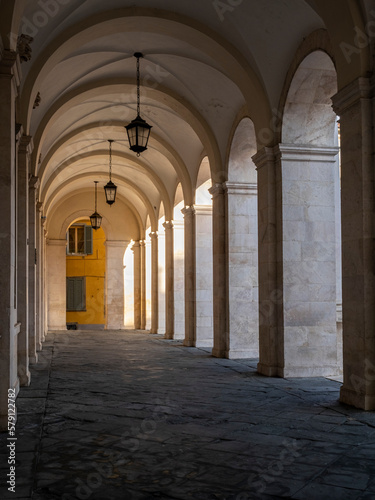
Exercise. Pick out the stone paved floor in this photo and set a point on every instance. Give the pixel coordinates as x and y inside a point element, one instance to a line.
<point>115,415</point>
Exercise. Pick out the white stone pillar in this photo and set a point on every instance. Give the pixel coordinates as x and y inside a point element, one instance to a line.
<point>243,323</point>
<point>115,251</point>
<point>169,280</point>
<point>24,151</point>
<point>204,276</point>
<point>271,349</point>
<point>220,288</point>
<point>355,106</point>
<point>154,283</point>
<point>40,272</point>
<point>56,275</point>
<point>161,281</point>
<point>9,81</point>
<point>136,248</point>
<point>33,277</point>
<point>142,244</point>
<point>190,290</point>
<point>179,287</point>
<point>308,246</point>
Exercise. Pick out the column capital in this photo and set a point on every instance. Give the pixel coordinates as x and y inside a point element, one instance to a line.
<point>26,144</point>
<point>241,188</point>
<point>39,206</point>
<point>10,66</point>
<point>188,211</point>
<point>117,243</point>
<point>264,156</point>
<point>153,235</point>
<point>168,225</point>
<point>142,243</point>
<point>306,153</point>
<point>34,184</point>
<point>360,88</point>
<point>203,209</point>
<point>136,244</point>
<point>217,190</point>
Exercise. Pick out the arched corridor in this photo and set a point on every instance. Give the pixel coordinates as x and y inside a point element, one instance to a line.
<point>222,153</point>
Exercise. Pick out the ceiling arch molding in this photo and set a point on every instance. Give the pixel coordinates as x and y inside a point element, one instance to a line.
<point>235,66</point>
<point>116,86</point>
<point>91,154</point>
<point>133,187</point>
<point>126,202</point>
<point>162,146</point>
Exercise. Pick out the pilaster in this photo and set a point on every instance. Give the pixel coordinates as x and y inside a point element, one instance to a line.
<point>136,248</point>
<point>33,276</point>
<point>142,245</point>
<point>220,276</point>
<point>190,276</point>
<point>24,151</point>
<point>154,283</point>
<point>169,280</point>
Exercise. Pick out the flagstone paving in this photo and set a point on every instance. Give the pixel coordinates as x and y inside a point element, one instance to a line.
<point>129,415</point>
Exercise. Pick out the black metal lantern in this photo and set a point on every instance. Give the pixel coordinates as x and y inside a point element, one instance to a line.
<point>110,188</point>
<point>138,130</point>
<point>95,218</point>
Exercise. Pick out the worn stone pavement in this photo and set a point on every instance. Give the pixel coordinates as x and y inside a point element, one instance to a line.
<point>129,415</point>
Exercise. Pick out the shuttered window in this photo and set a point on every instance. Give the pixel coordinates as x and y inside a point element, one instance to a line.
<point>79,240</point>
<point>76,294</point>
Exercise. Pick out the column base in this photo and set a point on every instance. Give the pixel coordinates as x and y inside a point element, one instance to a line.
<point>269,371</point>
<point>242,354</point>
<point>169,336</point>
<point>218,353</point>
<point>353,398</point>
<point>189,343</point>
<point>25,379</point>
<point>33,359</point>
<point>39,346</point>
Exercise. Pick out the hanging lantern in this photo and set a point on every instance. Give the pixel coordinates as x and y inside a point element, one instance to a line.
<point>138,130</point>
<point>110,188</point>
<point>95,218</point>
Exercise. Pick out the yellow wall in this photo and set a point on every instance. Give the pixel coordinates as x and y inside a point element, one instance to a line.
<point>93,268</point>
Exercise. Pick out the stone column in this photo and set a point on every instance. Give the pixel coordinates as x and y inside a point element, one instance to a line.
<point>308,245</point>
<point>161,281</point>
<point>190,290</point>
<point>355,104</point>
<point>41,264</point>
<point>243,323</point>
<point>9,82</point>
<point>24,151</point>
<point>115,251</point>
<point>271,352</point>
<point>154,283</point>
<point>169,280</point>
<point>136,248</point>
<point>142,244</point>
<point>56,276</point>
<point>204,276</point>
<point>179,292</point>
<point>220,289</point>
<point>33,277</point>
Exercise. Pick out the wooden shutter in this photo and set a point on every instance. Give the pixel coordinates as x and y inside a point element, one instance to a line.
<point>76,294</point>
<point>88,240</point>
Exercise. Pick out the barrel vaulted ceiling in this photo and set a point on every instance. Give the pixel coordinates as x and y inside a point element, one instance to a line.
<point>206,63</point>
